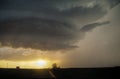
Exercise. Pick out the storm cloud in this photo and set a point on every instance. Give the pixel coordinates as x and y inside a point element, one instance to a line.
<point>49,25</point>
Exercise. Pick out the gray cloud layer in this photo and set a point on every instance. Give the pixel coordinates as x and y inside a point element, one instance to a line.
<point>49,25</point>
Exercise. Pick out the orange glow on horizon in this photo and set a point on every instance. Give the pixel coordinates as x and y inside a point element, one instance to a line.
<point>34,64</point>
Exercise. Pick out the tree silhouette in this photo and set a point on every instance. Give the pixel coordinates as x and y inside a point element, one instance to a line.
<point>54,65</point>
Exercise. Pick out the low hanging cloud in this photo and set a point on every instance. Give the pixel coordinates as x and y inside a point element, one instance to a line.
<point>36,33</point>
<point>41,34</point>
<point>19,54</point>
<point>47,25</point>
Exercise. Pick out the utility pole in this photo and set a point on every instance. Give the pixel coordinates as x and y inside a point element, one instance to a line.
<point>7,65</point>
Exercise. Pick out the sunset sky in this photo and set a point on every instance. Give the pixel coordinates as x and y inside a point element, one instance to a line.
<point>71,33</point>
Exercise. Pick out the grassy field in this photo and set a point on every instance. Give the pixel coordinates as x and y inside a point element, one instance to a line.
<point>63,73</point>
<point>88,73</point>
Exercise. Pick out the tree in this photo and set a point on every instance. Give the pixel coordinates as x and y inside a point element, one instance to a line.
<point>54,66</point>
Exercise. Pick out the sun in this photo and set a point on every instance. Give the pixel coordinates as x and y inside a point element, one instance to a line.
<point>41,63</point>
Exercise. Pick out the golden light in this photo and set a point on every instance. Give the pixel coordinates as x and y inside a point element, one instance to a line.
<point>41,63</point>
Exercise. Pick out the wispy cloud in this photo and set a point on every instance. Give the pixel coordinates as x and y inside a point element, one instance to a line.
<point>89,27</point>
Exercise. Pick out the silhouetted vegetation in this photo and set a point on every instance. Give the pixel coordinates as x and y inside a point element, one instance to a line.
<point>55,66</point>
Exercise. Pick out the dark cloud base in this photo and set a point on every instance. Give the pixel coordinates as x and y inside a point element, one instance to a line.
<point>46,25</point>
<point>37,33</point>
<point>41,34</point>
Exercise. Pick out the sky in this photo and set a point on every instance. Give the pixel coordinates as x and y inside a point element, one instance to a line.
<point>72,33</point>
